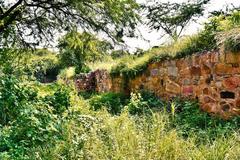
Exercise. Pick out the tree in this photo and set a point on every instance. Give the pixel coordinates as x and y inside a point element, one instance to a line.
<point>172,18</point>
<point>78,48</point>
<point>33,22</point>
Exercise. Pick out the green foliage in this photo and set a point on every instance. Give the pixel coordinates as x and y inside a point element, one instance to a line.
<point>204,41</point>
<point>228,35</point>
<point>190,120</point>
<point>102,136</point>
<point>78,48</point>
<point>174,17</point>
<point>114,18</point>
<point>130,66</point>
<point>144,103</point>
<point>119,53</point>
<point>38,132</point>
<point>43,65</point>
<point>232,45</point>
<point>13,98</point>
<point>13,61</point>
<point>26,121</point>
<point>60,100</point>
<point>229,41</point>
<point>35,126</point>
<point>137,105</point>
<point>113,102</point>
<point>87,95</point>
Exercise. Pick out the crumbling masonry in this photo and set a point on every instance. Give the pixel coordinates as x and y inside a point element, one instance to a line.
<point>211,77</point>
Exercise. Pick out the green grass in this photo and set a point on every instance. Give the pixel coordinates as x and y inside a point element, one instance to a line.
<point>102,136</point>
<point>44,89</point>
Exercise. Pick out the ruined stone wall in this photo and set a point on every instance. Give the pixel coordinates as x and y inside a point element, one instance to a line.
<point>211,77</point>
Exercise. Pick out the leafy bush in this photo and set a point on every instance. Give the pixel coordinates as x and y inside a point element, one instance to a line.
<point>13,98</point>
<point>137,105</point>
<point>35,126</point>
<point>190,120</point>
<point>87,95</point>
<point>229,40</point>
<point>232,44</point>
<point>152,100</point>
<point>46,69</point>
<point>78,48</point>
<point>114,102</point>
<point>119,53</point>
<point>60,100</point>
<point>203,41</point>
<point>26,122</point>
<point>43,65</point>
<point>144,102</point>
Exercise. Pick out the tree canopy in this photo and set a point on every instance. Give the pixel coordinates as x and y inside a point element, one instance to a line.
<point>25,23</point>
<point>78,48</point>
<point>172,18</point>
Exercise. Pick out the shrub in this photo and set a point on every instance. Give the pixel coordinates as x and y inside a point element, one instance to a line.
<point>114,102</point>
<point>203,41</point>
<point>78,48</point>
<point>152,100</point>
<point>190,120</point>
<point>137,105</point>
<point>43,65</point>
<point>232,44</point>
<point>144,102</point>
<point>60,100</point>
<point>35,126</point>
<point>46,70</point>
<point>119,53</point>
<point>13,98</point>
<point>229,40</point>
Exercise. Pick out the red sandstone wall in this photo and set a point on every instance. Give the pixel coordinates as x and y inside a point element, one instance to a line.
<point>212,77</point>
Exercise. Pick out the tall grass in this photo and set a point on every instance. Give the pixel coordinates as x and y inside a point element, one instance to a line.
<point>103,136</point>
<point>83,133</point>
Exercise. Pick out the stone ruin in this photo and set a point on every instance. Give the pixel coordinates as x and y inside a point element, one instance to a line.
<point>213,78</point>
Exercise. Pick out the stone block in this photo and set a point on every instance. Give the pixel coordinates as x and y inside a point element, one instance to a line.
<point>187,90</point>
<point>214,57</point>
<point>162,71</point>
<point>154,72</point>
<point>195,70</point>
<point>225,69</point>
<point>173,87</point>
<point>205,58</point>
<point>231,83</point>
<point>195,80</point>
<point>196,60</point>
<point>205,69</point>
<point>186,81</point>
<point>172,71</point>
<point>232,58</point>
<point>211,108</point>
<point>218,84</point>
<point>208,99</point>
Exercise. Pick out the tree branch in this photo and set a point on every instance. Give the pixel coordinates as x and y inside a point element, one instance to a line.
<point>8,12</point>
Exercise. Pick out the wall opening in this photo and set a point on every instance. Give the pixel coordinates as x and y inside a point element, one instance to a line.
<point>225,107</point>
<point>227,94</point>
<point>162,82</point>
<point>209,79</point>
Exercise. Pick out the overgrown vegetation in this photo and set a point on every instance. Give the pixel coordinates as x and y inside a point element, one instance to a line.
<point>43,117</point>
<point>221,31</point>
<point>43,65</point>
<point>145,128</point>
